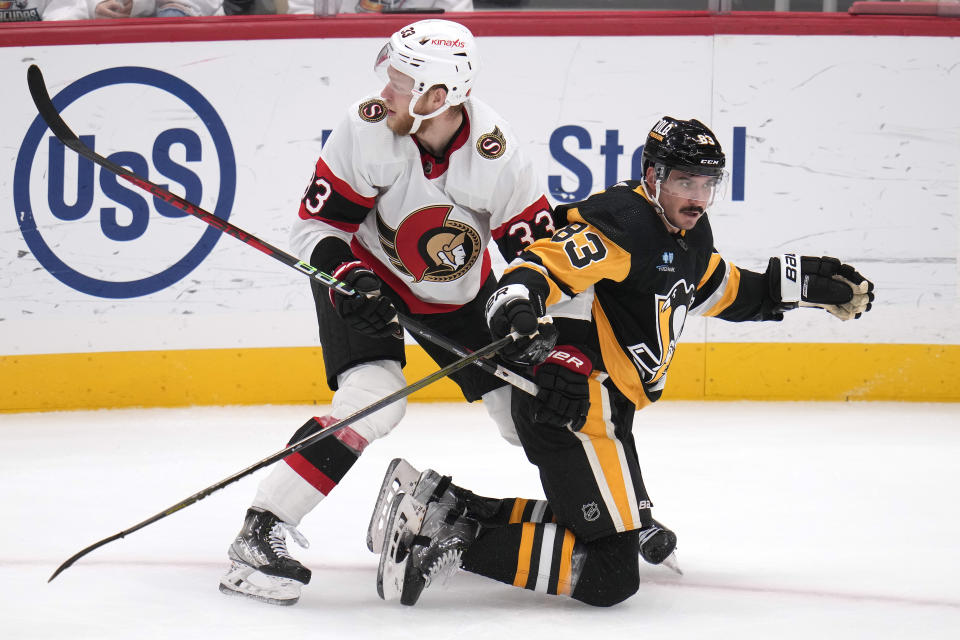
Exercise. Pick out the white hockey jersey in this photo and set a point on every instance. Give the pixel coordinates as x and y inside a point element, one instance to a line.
<point>420,222</point>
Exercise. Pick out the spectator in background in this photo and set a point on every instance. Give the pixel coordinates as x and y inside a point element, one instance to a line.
<point>34,10</point>
<point>114,9</point>
<point>233,7</point>
<point>183,8</point>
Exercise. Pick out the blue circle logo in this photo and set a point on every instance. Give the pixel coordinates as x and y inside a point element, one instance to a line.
<point>131,222</point>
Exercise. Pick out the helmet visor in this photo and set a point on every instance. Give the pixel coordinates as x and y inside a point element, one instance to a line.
<point>399,82</point>
<point>692,186</point>
<point>383,58</point>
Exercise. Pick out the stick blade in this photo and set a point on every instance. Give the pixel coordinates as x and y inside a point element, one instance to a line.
<point>96,545</point>
<point>41,98</point>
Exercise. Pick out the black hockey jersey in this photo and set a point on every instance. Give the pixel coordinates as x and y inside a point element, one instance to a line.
<point>619,283</point>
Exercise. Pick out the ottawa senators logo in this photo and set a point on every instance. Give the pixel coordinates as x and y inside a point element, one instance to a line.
<point>427,245</point>
<point>373,110</point>
<point>671,312</point>
<point>492,145</point>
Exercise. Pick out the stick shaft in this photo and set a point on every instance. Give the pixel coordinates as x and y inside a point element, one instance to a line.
<point>465,361</point>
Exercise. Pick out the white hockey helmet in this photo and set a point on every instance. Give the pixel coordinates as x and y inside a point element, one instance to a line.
<point>433,52</point>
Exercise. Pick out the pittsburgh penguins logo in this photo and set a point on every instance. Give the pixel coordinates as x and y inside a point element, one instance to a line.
<point>373,110</point>
<point>492,145</point>
<point>427,245</point>
<point>652,361</point>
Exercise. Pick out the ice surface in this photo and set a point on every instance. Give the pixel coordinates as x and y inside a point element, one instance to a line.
<point>795,520</point>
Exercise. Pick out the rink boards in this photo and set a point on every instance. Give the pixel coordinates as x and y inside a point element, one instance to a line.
<point>842,136</point>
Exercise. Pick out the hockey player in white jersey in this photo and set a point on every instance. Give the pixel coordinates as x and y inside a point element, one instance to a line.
<point>408,192</point>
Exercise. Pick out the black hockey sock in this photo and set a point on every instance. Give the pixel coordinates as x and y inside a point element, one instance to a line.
<point>548,557</point>
<point>492,512</point>
<point>529,555</point>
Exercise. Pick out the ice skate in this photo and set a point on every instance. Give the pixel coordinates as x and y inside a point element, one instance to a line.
<point>657,545</point>
<point>424,544</point>
<point>402,477</point>
<point>260,565</point>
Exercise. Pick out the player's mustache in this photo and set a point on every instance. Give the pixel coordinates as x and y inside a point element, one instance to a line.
<point>697,210</point>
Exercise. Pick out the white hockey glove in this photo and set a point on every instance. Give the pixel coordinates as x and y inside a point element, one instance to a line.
<point>820,282</point>
<point>514,308</point>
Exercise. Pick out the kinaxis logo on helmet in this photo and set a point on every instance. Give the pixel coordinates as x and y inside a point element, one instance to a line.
<point>449,43</point>
<point>427,245</point>
<point>121,235</point>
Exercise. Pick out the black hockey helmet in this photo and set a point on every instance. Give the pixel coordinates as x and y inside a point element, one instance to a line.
<point>687,145</point>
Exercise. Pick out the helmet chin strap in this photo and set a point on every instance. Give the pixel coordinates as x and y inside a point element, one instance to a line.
<point>655,198</point>
<point>418,118</point>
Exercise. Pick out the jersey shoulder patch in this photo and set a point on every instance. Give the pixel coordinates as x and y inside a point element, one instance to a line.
<point>372,110</point>
<point>492,145</point>
<point>492,136</point>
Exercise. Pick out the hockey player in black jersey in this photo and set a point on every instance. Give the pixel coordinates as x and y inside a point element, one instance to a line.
<point>619,281</point>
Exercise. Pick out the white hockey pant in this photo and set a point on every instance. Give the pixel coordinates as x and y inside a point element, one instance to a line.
<point>288,495</point>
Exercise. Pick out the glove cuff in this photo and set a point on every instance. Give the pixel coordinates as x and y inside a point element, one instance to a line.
<point>340,273</point>
<point>502,296</point>
<point>330,253</point>
<point>789,278</point>
<point>569,357</point>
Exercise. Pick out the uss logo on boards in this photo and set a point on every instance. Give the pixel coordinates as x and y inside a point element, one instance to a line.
<point>86,226</point>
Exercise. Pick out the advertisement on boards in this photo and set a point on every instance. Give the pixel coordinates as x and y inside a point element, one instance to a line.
<point>835,146</point>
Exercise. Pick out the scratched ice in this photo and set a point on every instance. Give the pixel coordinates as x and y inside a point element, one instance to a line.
<point>795,520</point>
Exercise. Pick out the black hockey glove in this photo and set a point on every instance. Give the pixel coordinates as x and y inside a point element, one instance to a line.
<point>564,396</point>
<point>514,308</point>
<point>819,282</point>
<point>367,311</point>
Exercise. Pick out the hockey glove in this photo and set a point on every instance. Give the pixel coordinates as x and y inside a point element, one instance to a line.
<point>513,308</point>
<point>366,311</point>
<point>564,396</point>
<point>820,282</point>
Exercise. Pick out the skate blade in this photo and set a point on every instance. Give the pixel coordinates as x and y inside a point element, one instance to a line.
<point>244,580</point>
<point>400,477</point>
<point>670,562</point>
<point>403,522</point>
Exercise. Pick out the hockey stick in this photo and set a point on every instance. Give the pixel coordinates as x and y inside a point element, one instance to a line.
<point>53,119</point>
<point>467,360</point>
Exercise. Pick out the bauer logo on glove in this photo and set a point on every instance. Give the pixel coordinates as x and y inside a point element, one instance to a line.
<point>564,396</point>
<point>820,282</point>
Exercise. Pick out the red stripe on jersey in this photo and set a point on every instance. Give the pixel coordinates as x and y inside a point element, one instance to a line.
<point>325,184</point>
<point>343,188</point>
<point>317,479</point>
<point>434,167</point>
<point>415,304</point>
<point>527,215</point>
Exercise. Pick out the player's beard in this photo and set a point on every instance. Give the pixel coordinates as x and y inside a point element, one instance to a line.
<point>400,123</point>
